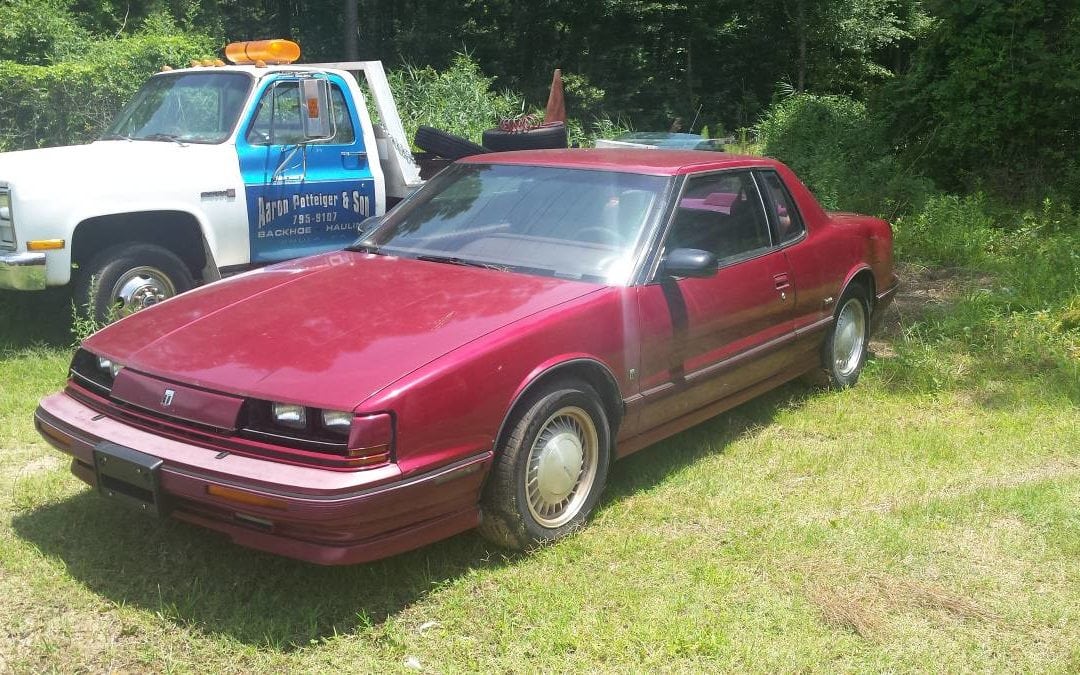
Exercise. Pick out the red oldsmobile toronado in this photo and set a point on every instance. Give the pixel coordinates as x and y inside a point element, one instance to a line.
<point>478,357</point>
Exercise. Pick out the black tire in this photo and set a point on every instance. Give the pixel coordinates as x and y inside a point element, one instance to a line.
<point>541,138</point>
<point>509,519</point>
<point>844,351</point>
<point>443,144</point>
<point>99,283</point>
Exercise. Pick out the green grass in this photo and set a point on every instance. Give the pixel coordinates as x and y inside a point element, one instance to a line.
<point>925,520</point>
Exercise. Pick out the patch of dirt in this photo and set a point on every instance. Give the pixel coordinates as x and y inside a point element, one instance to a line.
<point>923,289</point>
<point>864,604</point>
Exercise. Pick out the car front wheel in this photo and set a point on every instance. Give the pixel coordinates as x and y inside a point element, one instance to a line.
<point>844,352</point>
<point>551,468</point>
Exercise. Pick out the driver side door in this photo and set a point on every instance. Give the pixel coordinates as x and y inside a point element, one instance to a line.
<point>303,197</point>
<point>706,339</point>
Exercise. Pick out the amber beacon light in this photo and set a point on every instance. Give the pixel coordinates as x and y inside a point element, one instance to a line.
<point>267,51</point>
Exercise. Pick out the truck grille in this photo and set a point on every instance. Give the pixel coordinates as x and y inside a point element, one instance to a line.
<point>7,229</point>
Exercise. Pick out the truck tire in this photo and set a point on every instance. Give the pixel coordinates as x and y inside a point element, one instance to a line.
<point>540,138</point>
<point>123,279</point>
<point>444,144</point>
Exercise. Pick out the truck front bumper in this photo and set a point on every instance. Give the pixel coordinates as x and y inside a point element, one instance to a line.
<point>22,271</point>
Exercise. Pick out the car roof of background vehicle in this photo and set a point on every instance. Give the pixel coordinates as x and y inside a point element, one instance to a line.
<point>629,160</point>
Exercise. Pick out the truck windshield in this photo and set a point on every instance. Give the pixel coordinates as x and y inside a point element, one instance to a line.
<point>570,223</point>
<point>187,107</point>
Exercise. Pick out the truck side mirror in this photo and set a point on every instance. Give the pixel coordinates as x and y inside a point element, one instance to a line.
<point>315,99</point>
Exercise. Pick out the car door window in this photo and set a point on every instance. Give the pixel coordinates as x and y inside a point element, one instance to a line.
<point>721,213</point>
<point>789,225</point>
<point>278,121</point>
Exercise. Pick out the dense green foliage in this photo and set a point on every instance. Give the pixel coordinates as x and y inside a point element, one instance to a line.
<point>458,99</point>
<point>71,100</point>
<point>864,97</point>
<point>841,153</point>
<point>992,95</point>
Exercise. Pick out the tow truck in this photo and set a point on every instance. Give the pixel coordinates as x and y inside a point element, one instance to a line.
<point>210,170</point>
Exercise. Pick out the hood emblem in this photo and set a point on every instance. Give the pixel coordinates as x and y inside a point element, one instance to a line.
<point>166,400</point>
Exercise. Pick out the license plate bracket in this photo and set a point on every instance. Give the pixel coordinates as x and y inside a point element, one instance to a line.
<point>129,477</point>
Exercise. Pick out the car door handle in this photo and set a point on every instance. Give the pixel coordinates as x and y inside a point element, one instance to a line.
<point>783,282</point>
<point>358,154</point>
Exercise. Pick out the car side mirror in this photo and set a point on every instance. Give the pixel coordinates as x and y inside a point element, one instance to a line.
<point>688,262</point>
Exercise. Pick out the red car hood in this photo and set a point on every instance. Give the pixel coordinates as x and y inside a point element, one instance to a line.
<point>327,331</point>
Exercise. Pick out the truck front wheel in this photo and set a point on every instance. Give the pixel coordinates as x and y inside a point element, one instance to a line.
<point>123,279</point>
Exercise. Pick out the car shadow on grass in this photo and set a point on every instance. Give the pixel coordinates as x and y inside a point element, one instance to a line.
<point>656,463</point>
<point>35,318</point>
<point>196,578</point>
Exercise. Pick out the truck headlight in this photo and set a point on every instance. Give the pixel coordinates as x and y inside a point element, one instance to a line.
<point>7,228</point>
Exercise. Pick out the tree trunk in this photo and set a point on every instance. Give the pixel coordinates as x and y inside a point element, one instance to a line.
<point>801,22</point>
<point>352,30</point>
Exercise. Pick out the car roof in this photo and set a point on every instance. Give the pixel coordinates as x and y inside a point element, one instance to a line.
<point>630,160</point>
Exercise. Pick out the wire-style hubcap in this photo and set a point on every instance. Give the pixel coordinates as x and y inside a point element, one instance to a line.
<point>850,338</point>
<point>139,288</point>
<point>561,467</point>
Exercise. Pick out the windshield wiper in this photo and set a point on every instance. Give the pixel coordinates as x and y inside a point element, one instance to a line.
<point>115,137</point>
<point>164,137</point>
<point>451,260</point>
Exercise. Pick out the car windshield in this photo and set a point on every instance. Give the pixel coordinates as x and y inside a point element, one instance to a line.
<point>185,107</point>
<point>571,223</point>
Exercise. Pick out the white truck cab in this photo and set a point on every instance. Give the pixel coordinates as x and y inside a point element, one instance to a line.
<point>208,171</point>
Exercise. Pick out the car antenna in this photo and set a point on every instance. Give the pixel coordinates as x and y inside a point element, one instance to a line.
<point>695,118</point>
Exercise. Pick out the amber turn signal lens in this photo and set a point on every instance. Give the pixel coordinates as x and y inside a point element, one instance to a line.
<point>268,51</point>
<point>244,497</point>
<point>45,245</point>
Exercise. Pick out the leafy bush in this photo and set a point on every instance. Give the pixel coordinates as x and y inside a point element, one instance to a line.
<point>840,152</point>
<point>70,101</point>
<point>949,230</point>
<point>39,32</point>
<point>458,100</point>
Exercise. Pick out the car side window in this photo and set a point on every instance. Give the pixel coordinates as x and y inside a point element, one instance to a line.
<point>720,213</point>
<point>789,224</point>
<point>278,113</point>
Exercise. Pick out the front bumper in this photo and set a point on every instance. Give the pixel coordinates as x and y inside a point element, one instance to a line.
<point>22,271</point>
<point>321,516</point>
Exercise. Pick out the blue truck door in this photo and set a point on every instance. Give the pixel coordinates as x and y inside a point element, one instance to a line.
<point>303,198</point>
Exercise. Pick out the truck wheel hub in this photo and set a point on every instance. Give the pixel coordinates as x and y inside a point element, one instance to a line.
<point>140,288</point>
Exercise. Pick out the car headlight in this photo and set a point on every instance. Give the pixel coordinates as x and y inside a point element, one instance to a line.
<point>94,372</point>
<point>337,421</point>
<point>360,441</point>
<point>290,415</point>
<point>109,367</point>
<point>5,206</point>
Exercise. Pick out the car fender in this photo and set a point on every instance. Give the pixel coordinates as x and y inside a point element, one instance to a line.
<point>552,367</point>
<point>855,271</point>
